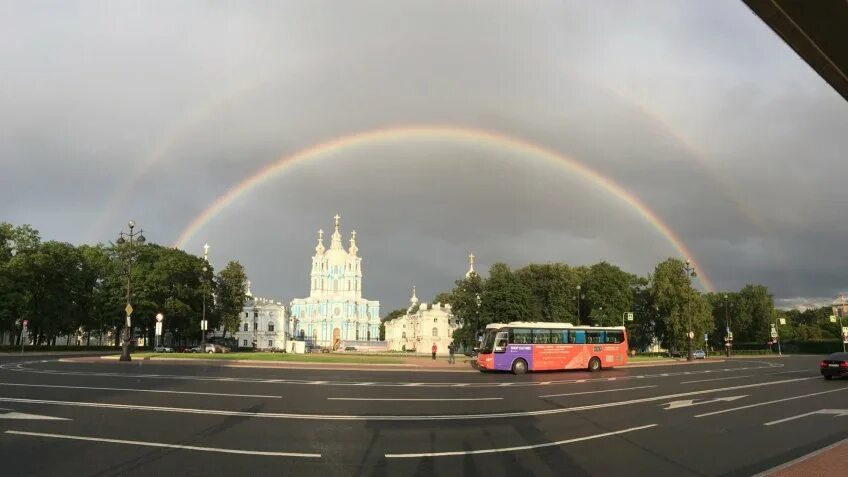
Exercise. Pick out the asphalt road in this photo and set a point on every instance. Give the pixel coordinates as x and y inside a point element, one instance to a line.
<point>738,417</point>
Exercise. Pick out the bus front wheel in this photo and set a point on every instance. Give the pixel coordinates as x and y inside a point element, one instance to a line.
<point>519,366</point>
<point>594,365</point>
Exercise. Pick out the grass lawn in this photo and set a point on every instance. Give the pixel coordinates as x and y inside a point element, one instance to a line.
<point>302,358</point>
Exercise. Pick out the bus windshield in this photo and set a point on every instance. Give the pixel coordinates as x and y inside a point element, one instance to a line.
<point>488,341</point>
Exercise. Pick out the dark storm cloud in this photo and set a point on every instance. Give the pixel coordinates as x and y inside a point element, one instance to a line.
<point>694,107</point>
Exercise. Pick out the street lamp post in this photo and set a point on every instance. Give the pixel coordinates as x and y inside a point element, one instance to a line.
<point>690,272</point>
<point>158,329</point>
<point>578,305</point>
<point>203,324</point>
<point>727,326</point>
<point>131,239</point>
<point>479,301</point>
<point>776,335</point>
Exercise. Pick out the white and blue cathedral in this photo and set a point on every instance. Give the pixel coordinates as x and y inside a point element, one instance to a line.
<point>335,311</point>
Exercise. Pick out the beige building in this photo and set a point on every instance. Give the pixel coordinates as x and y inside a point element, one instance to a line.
<point>423,325</point>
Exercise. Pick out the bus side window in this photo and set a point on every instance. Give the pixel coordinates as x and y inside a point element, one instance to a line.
<point>578,336</point>
<point>541,336</point>
<point>615,337</point>
<point>521,336</point>
<point>594,337</point>
<point>556,337</point>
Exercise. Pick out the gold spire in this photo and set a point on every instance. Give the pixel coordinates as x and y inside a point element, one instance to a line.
<point>319,249</point>
<point>353,247</point>
<point>470,266</point>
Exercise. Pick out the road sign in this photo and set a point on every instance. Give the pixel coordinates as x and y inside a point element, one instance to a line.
<point>629,316</point>
<point>691,334</point>
<point>833,318</point>
<point>160,317</point>
<point>773,334</point>
<point>158,328</point>
<point>783,321</point>
<point>730,336</point>
<point>706,337</point>
<point>129,309</point>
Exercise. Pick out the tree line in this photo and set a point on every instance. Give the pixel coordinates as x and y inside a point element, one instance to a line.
<point>662,303</point>
<point>81,291</point>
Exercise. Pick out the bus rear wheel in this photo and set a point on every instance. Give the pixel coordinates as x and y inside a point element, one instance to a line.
<point>519,366</point>
<point>594,365</point>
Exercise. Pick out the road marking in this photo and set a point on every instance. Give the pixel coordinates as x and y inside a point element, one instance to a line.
<point>595,392</point>
<point>34,417</point>
<point>517,448</point>
<point>166,446</point>
<point>19,367</point>
<point>717,379</point>
<point>365,384</point>
<point>692,402</point>
<point>772,402</point>
<point>833,412</point>
<point>414,399</point>
<point>345,417</point>
<point>794,371</point>
<point>139,390</point>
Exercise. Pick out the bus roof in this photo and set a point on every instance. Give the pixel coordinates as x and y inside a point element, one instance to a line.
<point>548,325</point>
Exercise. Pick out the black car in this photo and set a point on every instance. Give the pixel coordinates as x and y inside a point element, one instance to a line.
<point>834,365</point>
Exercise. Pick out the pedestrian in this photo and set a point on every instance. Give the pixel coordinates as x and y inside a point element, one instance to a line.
<point>451,350</point>
<point>434,351</point>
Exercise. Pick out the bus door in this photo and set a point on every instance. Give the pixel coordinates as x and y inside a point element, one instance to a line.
<point>499,350</point>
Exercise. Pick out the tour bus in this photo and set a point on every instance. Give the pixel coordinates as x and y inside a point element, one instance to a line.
<point>535,346</point>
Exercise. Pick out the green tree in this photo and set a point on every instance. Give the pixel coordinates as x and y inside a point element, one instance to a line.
<point>754,314</point>
<point>505,298</point>
<point>464,308</point>
<point>608,292</point>
<point>553,288</point>
<point>230,295</point>
<point>676,302</point>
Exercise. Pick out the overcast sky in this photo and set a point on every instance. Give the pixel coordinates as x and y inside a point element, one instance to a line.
<point>151,110</point>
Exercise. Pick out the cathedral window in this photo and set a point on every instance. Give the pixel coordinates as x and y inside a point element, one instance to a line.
<point>435,331</point>
<point>271,326</point>
<point>245,326</point>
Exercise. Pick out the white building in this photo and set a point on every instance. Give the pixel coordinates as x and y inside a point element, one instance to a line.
<point>335,312</point>
<point>421,327</point>
<point>264,324</point>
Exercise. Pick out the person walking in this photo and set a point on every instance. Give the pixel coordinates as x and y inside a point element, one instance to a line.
<point>451,350</point>
<point>435,348</point>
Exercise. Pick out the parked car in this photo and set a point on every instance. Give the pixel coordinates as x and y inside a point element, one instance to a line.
<point>699,354</point>
<point>835,365</point>
<point>163,349</point>
<point>350,348</point>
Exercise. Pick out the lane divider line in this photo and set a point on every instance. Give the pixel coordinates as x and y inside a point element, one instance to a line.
<point>716,379</point>
<point>772,402</point>
<point>163,445</point>
<point>442,417</point>
<point>596,392</point>
<point>517,448</point>
<point>136,390</point>
<point>414,399</point>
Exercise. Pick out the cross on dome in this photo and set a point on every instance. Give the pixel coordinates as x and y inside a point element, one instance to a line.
<point>470,266</point>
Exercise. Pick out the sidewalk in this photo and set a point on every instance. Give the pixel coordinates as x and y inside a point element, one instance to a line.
<point>829,461</point>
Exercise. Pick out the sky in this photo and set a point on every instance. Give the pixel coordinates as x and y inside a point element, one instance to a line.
<point>151,111</point>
